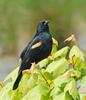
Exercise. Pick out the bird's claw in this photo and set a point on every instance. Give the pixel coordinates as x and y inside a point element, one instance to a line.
<point>27,71</point>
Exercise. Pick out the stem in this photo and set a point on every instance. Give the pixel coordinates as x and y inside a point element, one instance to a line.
<point>1,84</point>
<point>44,78</point>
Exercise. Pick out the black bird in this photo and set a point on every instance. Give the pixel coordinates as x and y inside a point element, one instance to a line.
<point>39,48</point>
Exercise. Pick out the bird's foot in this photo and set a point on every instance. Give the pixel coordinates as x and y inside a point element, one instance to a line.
<point>29,71</point>
<point>33,67</point>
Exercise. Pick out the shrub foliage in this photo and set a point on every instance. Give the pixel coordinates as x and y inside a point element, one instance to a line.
<point>60,76</point>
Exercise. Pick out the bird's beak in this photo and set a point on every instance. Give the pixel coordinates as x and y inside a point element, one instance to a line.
<point>46,22</point>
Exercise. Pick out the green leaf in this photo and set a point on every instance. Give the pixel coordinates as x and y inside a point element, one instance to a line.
<point>75,51</point>
<point>12,76</point>
<point>53,79</point>
<point>48,77</point>
<point>80,63</point>
<point>83,81</point>
<point>73,73</point>
<point>54,49</point>
<point>44,89</point>
<point>57,67</point>
<point>60,97</point>
<point>63,96</point>
<point>43,63</point>
<point>71,87</point>
<point>68,96</point>
<point>26,84</point>
<point>77,62</point>
<point>59,84</point>
<point>60,80</point>
<point>83,72</point>
<point>33,94</point>
<point>61,53</point>
<point>37,93</point>
<point>5,92</point>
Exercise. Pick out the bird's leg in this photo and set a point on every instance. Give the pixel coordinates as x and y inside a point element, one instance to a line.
<point>29,71</point>
<point>33,67</point>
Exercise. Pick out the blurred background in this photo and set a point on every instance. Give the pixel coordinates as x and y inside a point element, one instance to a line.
<point>18,20</point>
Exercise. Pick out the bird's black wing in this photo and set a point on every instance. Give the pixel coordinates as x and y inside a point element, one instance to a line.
<point>30,52</point>
<point>23,52</point>
<point>25,49</point>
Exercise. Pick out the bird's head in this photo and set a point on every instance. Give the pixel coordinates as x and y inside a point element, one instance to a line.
<point>43,27</point>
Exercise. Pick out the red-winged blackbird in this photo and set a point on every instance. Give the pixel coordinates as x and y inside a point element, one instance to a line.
<point>38,49</point>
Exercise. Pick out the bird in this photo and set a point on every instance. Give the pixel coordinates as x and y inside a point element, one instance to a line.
<point>37,49</point>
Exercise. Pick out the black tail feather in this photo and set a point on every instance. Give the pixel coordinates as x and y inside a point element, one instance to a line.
<point>17,80</point>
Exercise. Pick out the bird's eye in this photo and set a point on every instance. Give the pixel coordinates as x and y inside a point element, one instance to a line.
<point>43,22</point>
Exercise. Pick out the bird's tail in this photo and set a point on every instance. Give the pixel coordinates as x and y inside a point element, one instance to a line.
<point>17,80</point>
